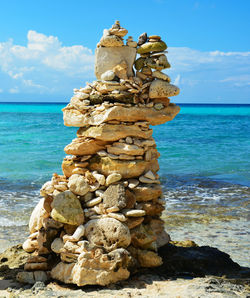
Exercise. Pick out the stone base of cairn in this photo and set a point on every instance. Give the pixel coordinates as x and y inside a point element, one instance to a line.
<point>100,220</point>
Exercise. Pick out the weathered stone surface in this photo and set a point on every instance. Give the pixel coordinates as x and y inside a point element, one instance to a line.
<point>161,76</point>
<point>148,258</point>
<point>130,199</point>
<point>151,208</point>
<point>160,88</point>
<point>152,47</point>
<point>147,192</point>
<point>112,178</point>
<point>70,167</point>
<point>123,148</point>
<point>82,146</point>
<point>101,270</point>
<point>128,169</point>
<point>37,216</point>
<point>133,222</point>
<point>108,58</point>
<point>120,70</point>
<point>114,196</point>
<point>78,185</point>
<point>142,236</point>
<point>108,232</point>
<point>111,41</point>
<point>67,209</point>
<point>72,117</point>
<point>113,132</point>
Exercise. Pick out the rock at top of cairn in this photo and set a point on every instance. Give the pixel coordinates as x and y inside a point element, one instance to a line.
<point>111,52</point>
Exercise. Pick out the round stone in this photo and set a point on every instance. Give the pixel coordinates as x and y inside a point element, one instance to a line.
<point>108,75</point>
<point>108,232</point>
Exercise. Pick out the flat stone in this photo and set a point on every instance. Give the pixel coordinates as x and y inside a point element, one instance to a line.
<point>143,179</point>
<point>152,47</point>
<point>161,76</point>
<point>150,175</point>
<point>132,183</point>
<point>57,245</point>
<point>108,58</point>
<point>133,222</point>
<point>148,192</point>
<point>69,167</point>
<point>108,232</point>
<point>112,132</point>
<point>78,184</point>
<point>111,41</point>
<point>151,208</point>
<point>112,178</point>
<point>134,213</point>
<point>128,169</point>
<point>122,114</point>
<point>82,146</point>
<point>160,88</point>
<point>66,208</point>
<point>115,196</point>
<point>123,148</point>
<point>36,266</point>
<point>118,216</point>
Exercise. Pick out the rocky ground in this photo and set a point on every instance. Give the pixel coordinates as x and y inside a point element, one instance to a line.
<point>187,271</point>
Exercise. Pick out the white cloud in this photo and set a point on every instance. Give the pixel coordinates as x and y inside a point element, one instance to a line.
<point>14,90</point>
<point>210,75</point>
<point>44,65</point>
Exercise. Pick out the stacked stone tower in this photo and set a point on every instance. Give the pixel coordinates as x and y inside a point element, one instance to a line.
<point>100,220</point>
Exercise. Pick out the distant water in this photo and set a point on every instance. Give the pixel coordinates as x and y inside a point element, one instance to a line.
<point>204,169</point>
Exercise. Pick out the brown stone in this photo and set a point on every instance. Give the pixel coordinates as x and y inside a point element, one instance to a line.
<point>112,132</point>
<point>120,113</point>
<point>133,222</point>
<point>142,236</point>
<point>152,209</point>
<point>145,192</point>
<point>128,169</point>
<point>148,259</point>
<point>36,266</point>
<point>130,199</point>
<point>82,146</point>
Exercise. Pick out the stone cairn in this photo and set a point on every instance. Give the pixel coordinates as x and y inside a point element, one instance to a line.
<point>100,220</point>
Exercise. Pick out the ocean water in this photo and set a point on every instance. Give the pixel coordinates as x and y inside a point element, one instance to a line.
<point>204,169</point>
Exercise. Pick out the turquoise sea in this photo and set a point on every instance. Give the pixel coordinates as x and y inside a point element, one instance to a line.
<point>204,169</point>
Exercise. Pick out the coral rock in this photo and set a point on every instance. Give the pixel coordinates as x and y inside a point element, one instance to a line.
<point>67,209</point>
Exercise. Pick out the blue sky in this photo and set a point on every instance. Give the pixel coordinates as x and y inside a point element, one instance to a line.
<point>47,46</point>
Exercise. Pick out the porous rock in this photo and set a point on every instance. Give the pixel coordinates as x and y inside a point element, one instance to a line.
<point>147,192</point>
<point>108,232</point>
<point>84,146</point>
<point>72,117</point>
<point>112,132</point>
<point>160,88</point>
<point>102,270</point>
<point>128,169</point>
<point>114,196</point>
<point>78,184</point>
<point>67,209</point>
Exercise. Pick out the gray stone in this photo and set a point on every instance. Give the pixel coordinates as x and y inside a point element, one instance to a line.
<point>108,58</point>
<point>114,196</point>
